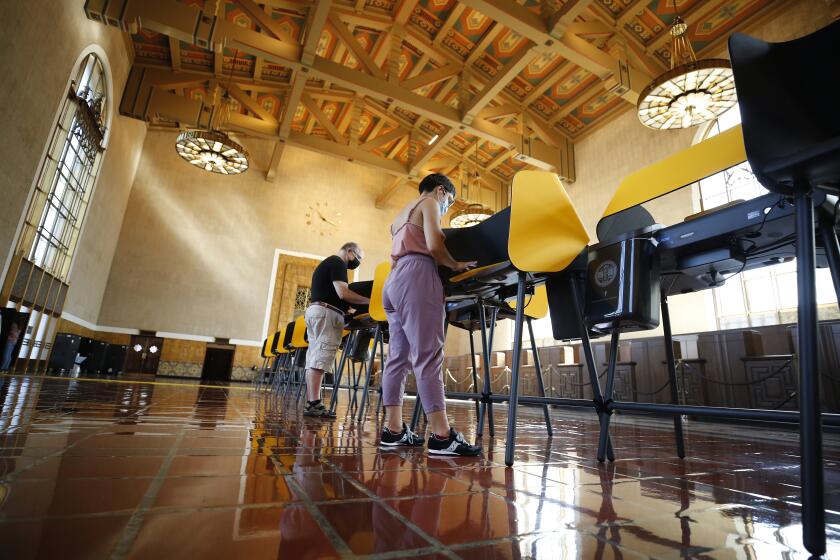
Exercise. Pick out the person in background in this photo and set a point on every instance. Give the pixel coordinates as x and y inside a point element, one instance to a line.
<point>414,304</point>
<point>10,343</point>
<point>331,298</point>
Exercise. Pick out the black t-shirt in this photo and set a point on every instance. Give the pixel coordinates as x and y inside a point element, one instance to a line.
<point>330,270</point>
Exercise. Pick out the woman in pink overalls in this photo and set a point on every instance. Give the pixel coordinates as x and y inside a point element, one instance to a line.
<point>414,303</point>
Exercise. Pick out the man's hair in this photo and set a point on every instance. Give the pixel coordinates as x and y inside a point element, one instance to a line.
<point>350,246</point>
<point>434,180</point>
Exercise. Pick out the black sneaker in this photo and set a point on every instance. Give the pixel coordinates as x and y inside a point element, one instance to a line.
<point>406,438</point>
<point>454,445</point>
<point>317,411</point>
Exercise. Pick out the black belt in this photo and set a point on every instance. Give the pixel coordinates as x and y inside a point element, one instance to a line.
<point>328,306</point>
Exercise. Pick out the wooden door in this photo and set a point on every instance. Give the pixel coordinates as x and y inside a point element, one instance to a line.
<point>143,354</point>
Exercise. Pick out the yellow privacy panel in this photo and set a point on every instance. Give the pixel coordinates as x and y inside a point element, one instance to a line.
<point>536,306</point>
<point>265,349</point>
<point>676,171</point>
<point>298,334</point>
<point>377,312</point>
<point>546,233</point>
<point>278,348</point>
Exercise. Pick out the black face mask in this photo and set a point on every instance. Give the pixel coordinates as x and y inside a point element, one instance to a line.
<point>353,264</point>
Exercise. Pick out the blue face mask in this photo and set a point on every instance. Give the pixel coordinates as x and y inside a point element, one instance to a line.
<point>445,204</point>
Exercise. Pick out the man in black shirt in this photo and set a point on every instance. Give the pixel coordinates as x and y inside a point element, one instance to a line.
<point>331,298</point>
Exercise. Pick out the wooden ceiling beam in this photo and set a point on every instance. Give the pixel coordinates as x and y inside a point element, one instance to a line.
<point>404,11</point>
<point>502,78</point>
<point>274,164</point>
<point>314,26</point>
<point>631,11</point>
<point>291,103</point>
<point>355,47</point>
<point>179,20</point>
<point>249,103</point>
<point>380,140</point>
<point>565,16</point>
<point>346,152</point>
<point>570,46</point>
<point>431,77</point>
<point>553,77</point>
<point>175,53</point>
<point>506,110</point>
<point>579,100</point>
<point>265,20</point>
<point>322,119</point>
<point>388,191</point>
<point>488,37</point>
<point>450,22</point>
<point>430,150</point>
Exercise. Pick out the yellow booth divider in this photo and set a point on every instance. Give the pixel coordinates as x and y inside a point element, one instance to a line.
<point>546,232</point>
<point>266,353</point>
<point>299,334</point>
<point>278,347</point>
<point>536,306</point>
<point>376,309</point>
<point>702,160</point>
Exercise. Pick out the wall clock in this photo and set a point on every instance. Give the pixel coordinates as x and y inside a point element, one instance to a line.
<point>322,220</point>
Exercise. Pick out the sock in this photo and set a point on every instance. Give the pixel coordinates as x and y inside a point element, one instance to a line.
<point>392,432</point>
<point>314,403</point>
<point>441,438</point>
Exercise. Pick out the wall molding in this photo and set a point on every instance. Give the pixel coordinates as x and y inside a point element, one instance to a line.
<point>163,334</point>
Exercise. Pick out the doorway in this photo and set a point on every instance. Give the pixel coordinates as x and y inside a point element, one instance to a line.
<point>143,355</point>
<point>218,362</point>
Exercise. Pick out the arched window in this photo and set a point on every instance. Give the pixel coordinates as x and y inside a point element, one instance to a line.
<point>36,285</point>
<point>763,296</point>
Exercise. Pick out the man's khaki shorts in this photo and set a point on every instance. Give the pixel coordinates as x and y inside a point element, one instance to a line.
<point>324,327</point>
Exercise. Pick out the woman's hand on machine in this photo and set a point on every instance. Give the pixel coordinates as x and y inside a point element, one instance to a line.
<point>461,266</point>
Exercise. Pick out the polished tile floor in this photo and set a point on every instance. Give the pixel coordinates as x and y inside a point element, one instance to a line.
<point>94,468</point>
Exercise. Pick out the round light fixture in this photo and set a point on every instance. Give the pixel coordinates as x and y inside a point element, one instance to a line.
<point>471,215</point>
<point>212,151</point>
<point>691,92</point>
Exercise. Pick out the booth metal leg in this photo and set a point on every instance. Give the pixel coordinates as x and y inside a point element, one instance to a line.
<point>608,391</point>
<point>514,377</point>
<point>289,372</point>
<point>301,382</point>
<point>672,374</point>
<point>810,424</point>
<point>474,374</point>
<point>486,408</point>
<point>339,372</point>
<point>594,382</point>
<point>538,368</point>
<point>832,252</point>
<point>368,374</point>
<point>356,373</point>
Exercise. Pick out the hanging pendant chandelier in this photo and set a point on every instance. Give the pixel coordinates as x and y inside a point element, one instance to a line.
<point>213,150</point>
<point>473,213</point>
<point>692,92</point>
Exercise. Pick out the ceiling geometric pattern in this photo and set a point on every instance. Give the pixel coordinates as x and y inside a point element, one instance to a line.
<point>476,76</point>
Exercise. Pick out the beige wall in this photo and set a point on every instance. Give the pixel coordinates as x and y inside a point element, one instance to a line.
<point>196,250</point>
<point>40,41</point>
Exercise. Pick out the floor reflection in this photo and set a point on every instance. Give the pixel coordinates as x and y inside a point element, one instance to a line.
<point>152,468</point>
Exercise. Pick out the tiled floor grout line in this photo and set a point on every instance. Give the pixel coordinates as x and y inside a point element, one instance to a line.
<point>365,490</point>
<point>132,528</point>
<point>335,539</point>
<point>14,475</point>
